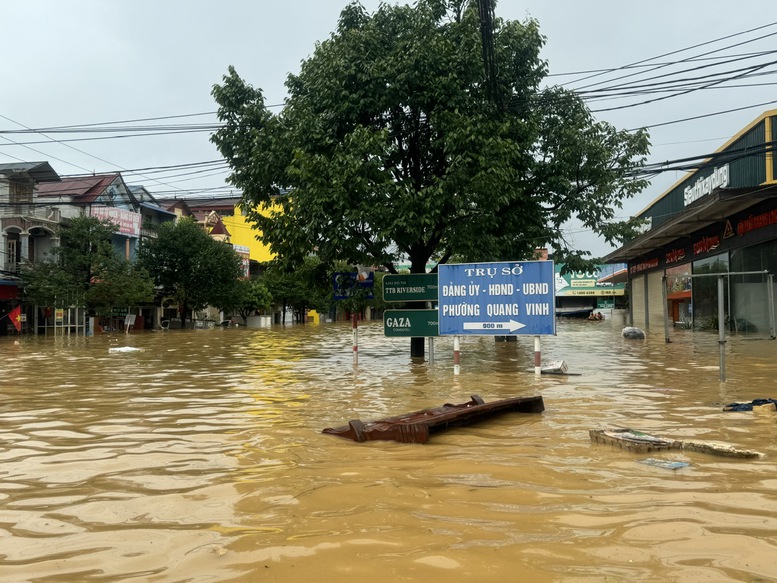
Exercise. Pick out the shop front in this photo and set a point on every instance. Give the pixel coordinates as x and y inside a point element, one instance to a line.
<point>718,222</point>
<point>583,294</point>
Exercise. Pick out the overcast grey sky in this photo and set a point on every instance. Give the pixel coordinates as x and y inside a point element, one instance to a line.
<point>93,61</point>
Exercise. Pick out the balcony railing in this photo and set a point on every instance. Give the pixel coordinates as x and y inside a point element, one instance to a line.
<point>46,213</point>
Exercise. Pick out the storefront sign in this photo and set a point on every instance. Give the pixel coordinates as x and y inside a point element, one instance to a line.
<point>128,223</point>
<point>346,284</point>
<point>754,222</point>
<point>675,255</point>
<point>245,258</point>
<point>706,244</point>
<point>704,186</point>
<point>643,266</point>
<point>599,291</point>
<point>578,283</point>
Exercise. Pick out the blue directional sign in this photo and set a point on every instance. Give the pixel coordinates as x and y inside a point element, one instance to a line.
<point>498,299</point>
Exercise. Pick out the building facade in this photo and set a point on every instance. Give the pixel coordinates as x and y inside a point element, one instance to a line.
<point>718,222</point>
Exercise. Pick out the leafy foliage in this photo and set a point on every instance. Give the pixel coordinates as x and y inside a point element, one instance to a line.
<point>395,140</point>
<point>187,264</point>
<point>120,284</point>
<point>306,287</point>
<point>86,270</point>
<point>251,296</point>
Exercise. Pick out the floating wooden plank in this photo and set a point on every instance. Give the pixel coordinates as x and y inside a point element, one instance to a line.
<point>639,442</point>
<point>416,427</point>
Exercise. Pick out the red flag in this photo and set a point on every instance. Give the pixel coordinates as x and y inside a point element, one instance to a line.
<point>16,318</point>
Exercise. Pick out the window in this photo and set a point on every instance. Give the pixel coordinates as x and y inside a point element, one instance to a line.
<point>19,192</point>
<point>705,291</point>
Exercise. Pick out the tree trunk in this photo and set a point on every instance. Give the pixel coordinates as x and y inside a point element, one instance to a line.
<point>184,309</point>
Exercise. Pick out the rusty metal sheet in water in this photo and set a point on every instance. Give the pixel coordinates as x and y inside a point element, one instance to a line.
<point>417,426</point>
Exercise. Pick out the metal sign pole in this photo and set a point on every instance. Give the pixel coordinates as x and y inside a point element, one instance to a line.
<point>354,325</point>
<point>537,356</point>
<point>666,309</point>
<point>721,328</point>
<point>456,355</point>
<point>770,295</point>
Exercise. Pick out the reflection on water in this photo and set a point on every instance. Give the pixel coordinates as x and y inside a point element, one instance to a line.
<point>199,457</point>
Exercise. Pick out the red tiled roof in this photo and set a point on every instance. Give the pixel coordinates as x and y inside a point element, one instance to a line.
<point>219,229</point>
<point>81,189</point>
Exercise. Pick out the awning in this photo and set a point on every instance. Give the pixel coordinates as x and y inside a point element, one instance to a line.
<point>721,204</point>
<point>681,295</point>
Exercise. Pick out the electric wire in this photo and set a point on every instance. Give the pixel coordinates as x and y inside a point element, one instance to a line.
<point>592,92</point>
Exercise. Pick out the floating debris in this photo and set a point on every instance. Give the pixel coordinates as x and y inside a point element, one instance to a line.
<point>639,442</point>
<point>632,333</point>
<point>665,464</point>
<point>555,367</point>
<point>769,403</point>
<point>416,427</point>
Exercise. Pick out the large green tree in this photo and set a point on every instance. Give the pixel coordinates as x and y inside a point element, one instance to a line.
<point>302,287</point>
<point>190,266</point>
<point>251,296</point>
<point>397,140</point>
<point>86,270</point>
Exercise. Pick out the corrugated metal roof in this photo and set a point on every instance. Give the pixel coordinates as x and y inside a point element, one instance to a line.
<point>157,208</point>
<point>38,171</point>
<point>214,203</point>
<point>713,208</point>
<point>82,188</point>
<point>171,203</point>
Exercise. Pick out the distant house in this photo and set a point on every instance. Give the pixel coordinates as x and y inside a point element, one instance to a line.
<point>28,228</point>
<point>242,234</point>
<point>178,206</point>
<point>104,196</point>
<point>152,213</point>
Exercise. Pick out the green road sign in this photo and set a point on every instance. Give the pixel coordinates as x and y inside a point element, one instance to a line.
<point>410,323</point>
<point>411,287</point>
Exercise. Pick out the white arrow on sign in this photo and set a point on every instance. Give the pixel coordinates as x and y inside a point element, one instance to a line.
<point>510,326</point>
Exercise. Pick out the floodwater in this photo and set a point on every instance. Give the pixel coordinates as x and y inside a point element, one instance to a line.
<point>199,457</point>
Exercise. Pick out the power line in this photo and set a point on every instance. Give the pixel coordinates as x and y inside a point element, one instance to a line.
<point>151,169</point>
<point>676,52</point>
<point>706,115</point>
<point>713,82</point>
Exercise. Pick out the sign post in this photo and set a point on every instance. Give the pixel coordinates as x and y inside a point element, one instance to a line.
<point>413,323</point>
<point>355,326</point>
<point>411,287</point>
<point>497,299</point>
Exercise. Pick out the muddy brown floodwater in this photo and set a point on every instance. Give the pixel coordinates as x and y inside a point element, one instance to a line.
<point>198,457</point>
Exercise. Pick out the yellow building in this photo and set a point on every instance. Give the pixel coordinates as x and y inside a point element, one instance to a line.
<point>244,235</point>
